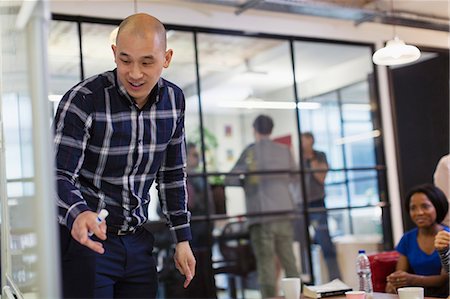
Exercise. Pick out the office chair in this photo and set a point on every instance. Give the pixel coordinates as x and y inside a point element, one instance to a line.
<point>238,258</point>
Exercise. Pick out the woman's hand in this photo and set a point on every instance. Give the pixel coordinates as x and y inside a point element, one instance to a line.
<point>400,279</point>
<point>390,288</point>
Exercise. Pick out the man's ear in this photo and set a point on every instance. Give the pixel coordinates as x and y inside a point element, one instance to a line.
<point>113,47</point>
<point>167,58</point>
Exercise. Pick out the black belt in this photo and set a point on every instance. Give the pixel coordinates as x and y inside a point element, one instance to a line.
<point>120,232</point>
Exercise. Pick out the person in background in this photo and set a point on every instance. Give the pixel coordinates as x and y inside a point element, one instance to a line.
<point>316,162</point>
<point>198,204</point>
<point>442,180</point>
<point>419,263</point>
<point>115,134</point>
<point>271,235</point>
<point>442,243</point>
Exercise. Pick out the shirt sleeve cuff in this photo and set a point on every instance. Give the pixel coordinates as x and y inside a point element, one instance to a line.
<point>74,212</point>
<point>182,234</point>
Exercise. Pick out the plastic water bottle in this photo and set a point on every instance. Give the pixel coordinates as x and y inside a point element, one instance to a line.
<point>364,273</point>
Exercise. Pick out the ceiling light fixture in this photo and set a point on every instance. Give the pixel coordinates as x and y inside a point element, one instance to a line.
<point>357,107</point>
<point>258,104</point>
<point>396,51</point>
<point>358,137</point>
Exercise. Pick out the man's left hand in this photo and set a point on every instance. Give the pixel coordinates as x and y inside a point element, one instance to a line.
<point>185,261</point>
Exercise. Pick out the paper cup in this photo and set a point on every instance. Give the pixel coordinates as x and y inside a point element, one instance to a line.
<point>291,287</point>
<point>410,293</point>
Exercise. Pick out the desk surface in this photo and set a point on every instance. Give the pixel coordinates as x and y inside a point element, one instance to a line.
<point>375,296</point>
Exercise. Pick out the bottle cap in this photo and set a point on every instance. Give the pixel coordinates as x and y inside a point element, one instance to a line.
<point>361,251</point>
<point>103,214</point>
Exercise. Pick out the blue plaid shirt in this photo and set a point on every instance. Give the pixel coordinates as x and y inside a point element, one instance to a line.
<point>109,152</point>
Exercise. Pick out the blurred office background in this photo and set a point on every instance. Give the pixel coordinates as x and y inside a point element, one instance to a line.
<point>307,65</point>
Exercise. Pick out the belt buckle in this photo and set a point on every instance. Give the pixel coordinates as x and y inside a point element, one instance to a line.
<point>126,232</point>
<point>122,232</point>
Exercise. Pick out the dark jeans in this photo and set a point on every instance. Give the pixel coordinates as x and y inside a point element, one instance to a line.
<point>126,270</point>
<point>319,221</point>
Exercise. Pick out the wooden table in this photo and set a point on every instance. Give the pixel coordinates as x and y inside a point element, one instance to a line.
<point>375,296</point>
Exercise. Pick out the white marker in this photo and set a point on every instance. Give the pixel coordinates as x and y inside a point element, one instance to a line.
<point>100,217</point>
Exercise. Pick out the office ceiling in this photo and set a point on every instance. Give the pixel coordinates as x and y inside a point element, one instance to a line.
<point>223,57</point>
<point>426,14</point>
<point>261,65</point>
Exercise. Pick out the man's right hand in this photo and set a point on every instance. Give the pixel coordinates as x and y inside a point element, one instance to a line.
<point>87,222</point>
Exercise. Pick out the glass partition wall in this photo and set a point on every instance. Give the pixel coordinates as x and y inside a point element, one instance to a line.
<point>325,88</point>
<point>28,213</point>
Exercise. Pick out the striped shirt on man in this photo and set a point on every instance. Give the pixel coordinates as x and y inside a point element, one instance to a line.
<point>109,152</point>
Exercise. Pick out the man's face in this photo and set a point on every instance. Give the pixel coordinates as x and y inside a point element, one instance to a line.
<point>193,158</point>
<point>307,143</point>
<point>140,61</point>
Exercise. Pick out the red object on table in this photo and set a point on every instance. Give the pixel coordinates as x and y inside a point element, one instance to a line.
<point>382,264</point>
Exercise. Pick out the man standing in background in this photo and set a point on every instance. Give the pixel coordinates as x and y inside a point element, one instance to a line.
<point>271,235</point>
<point>315,162</point>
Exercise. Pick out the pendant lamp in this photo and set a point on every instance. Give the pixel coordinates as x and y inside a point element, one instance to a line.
<point>395,52</point>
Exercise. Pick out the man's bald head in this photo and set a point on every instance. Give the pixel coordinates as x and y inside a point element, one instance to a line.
<point>142,24</point>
